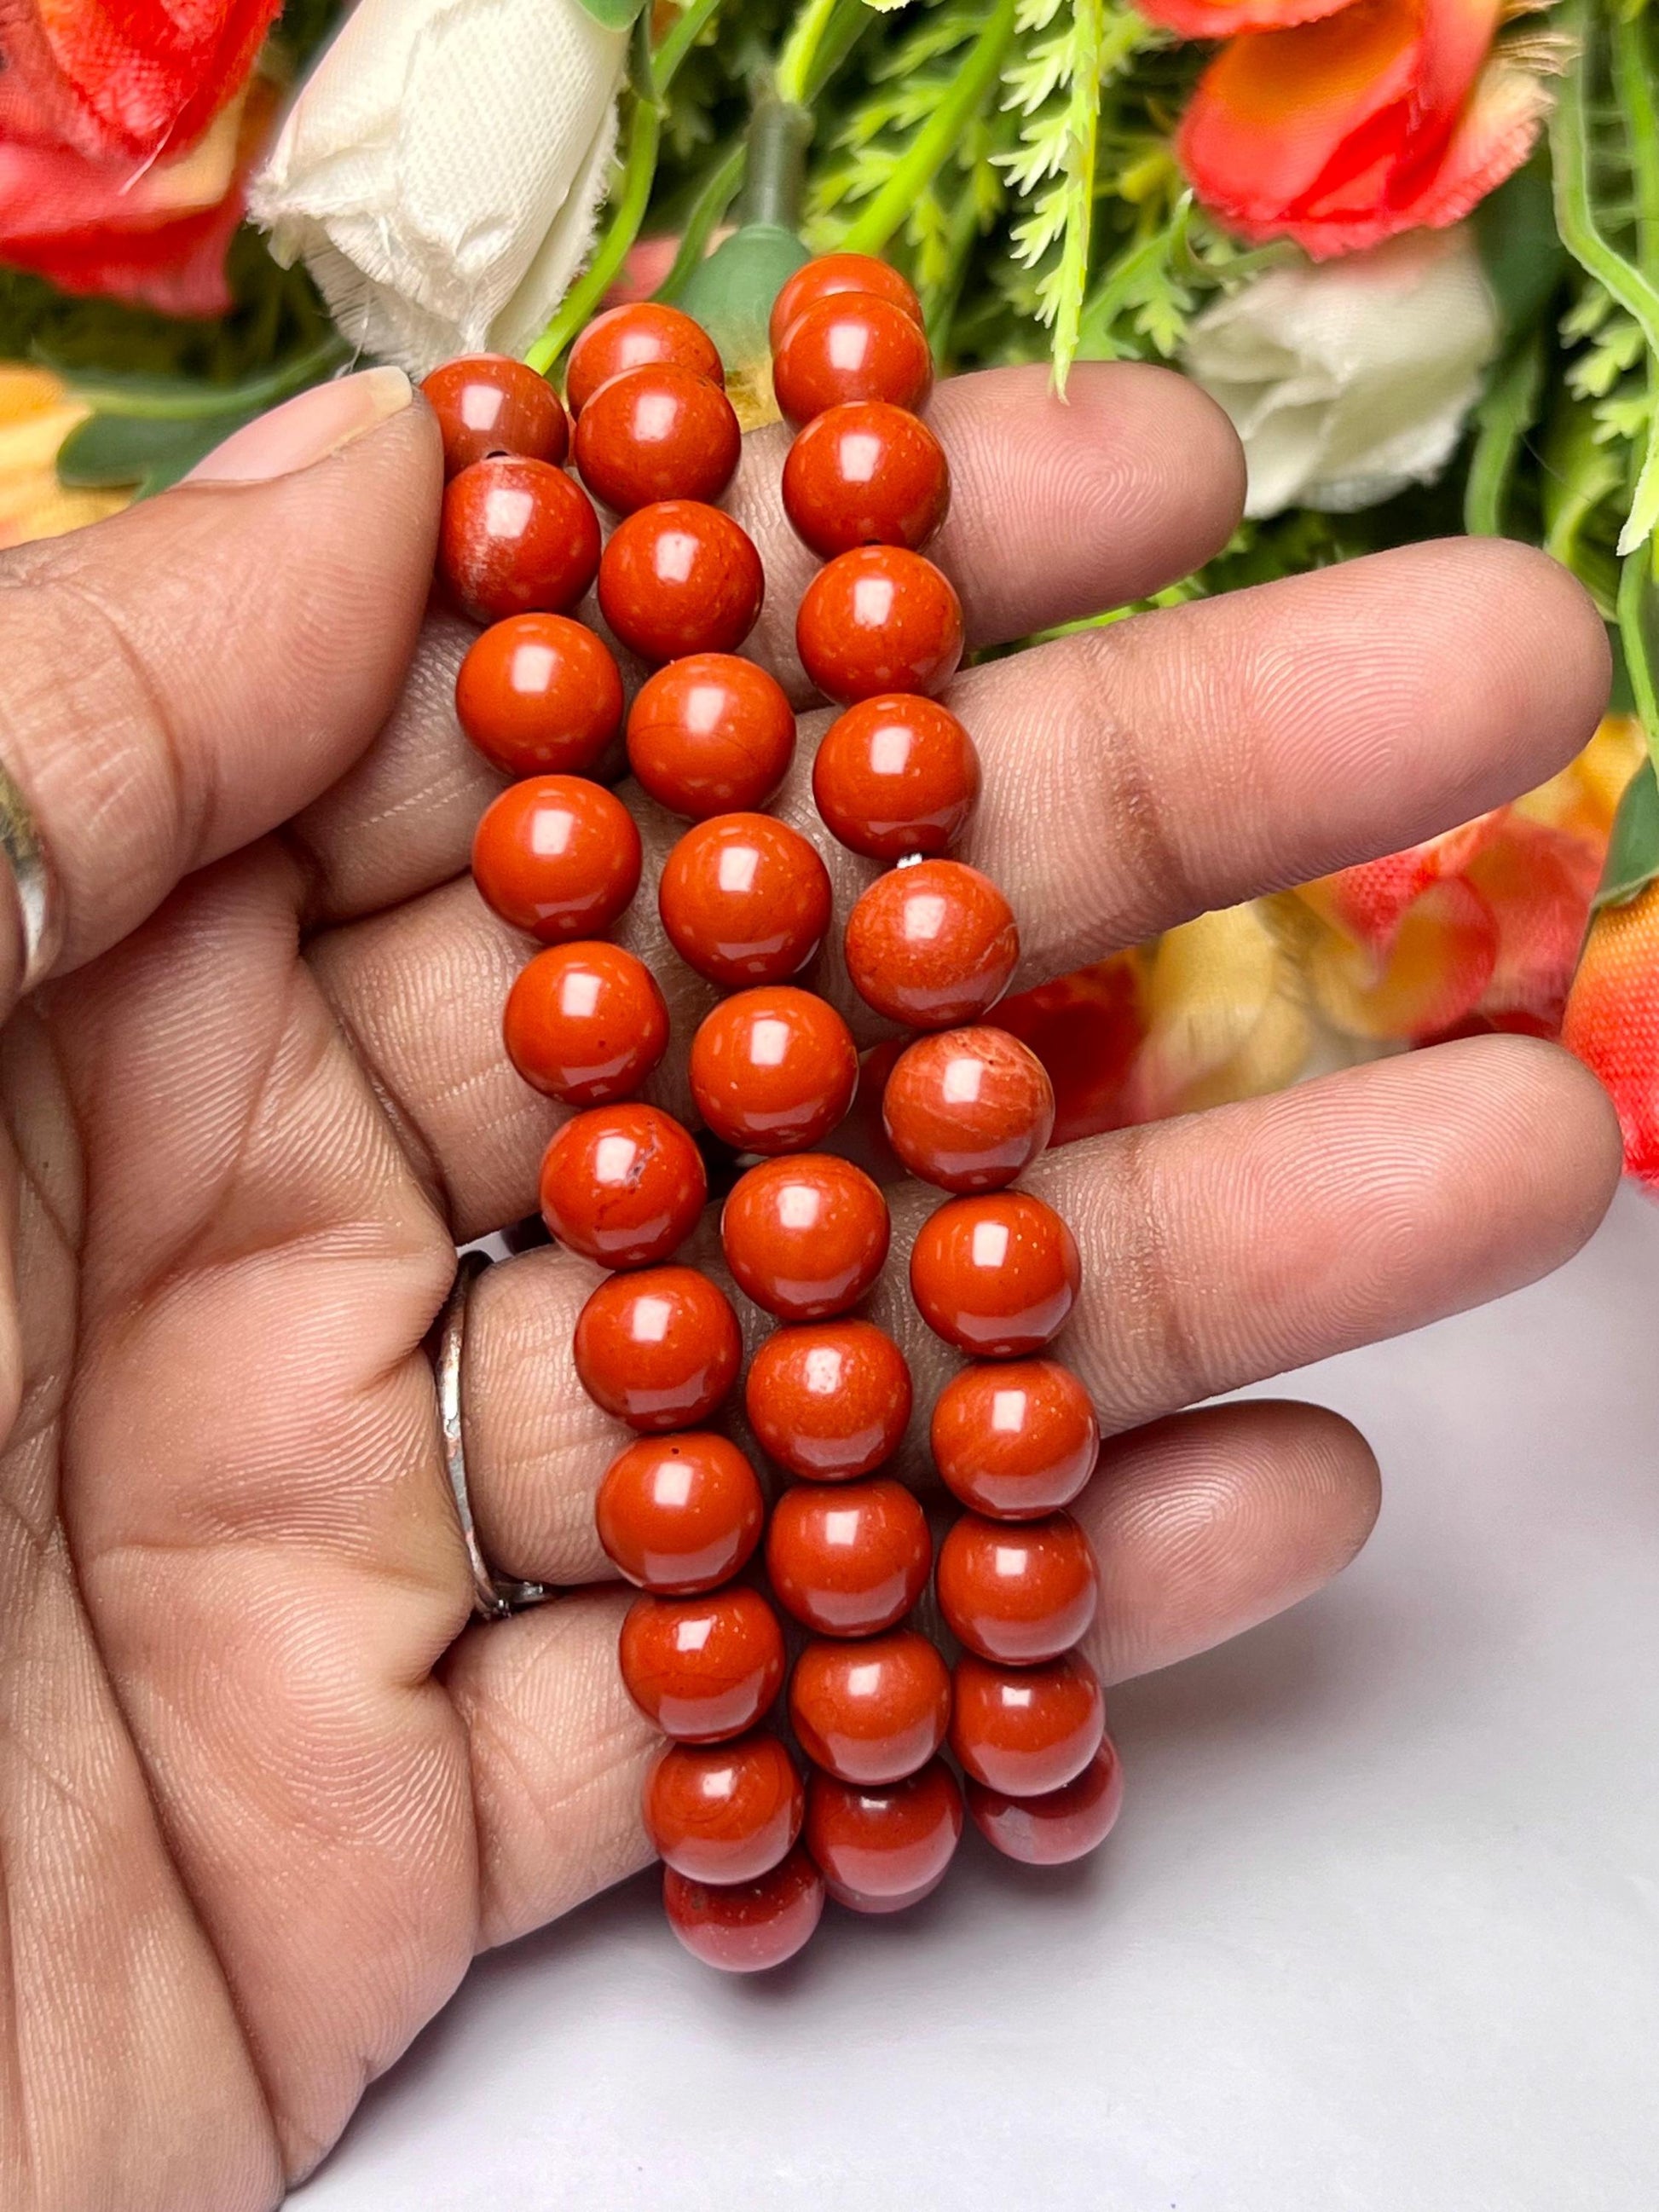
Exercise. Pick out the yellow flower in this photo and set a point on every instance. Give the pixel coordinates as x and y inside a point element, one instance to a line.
<point>36,414</point>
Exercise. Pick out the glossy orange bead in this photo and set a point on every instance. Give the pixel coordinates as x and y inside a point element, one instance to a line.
<point>882,1849</point>
<point>830,273</point>
<point>746,1927</point>
<point>1017,1592</point>
<point>1015,1439</point>
<point>773,1070</point>
<point>870,1711</point>
<point>880,618</point>
<point>633,336</point>
<point>806,1238</point>
<point>848,346</point>
<point>1060,1826</point>
<point>724,1812</point>
<point>540,693</point>
<point>866,474</point>
<point>745,900</point>
<point>658,1349</point>
<point>969,1109</point>
<point>662,432</point>
<point>711,734</point>
<point>848,1560</point>
<point>558,856</point>
<point>997,1275</point>
<point>586,1023</point>
<point>678,577</point>
<point>896,774</point>
<point>622,1185</point>
<point>830,1398</point>
<point>516,536</point>
<point>489,402</point>
<point>702,1669</point>
<point>1026,1729</point>
<point>679,1514</point>
<point>932,944</point>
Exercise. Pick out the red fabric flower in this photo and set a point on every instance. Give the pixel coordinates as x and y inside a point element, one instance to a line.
<point>1220,19</point>
<point>1612,1022</point>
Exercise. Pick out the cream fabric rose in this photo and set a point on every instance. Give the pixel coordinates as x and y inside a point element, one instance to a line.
<point>442,167</point>
<point>1349,379</point>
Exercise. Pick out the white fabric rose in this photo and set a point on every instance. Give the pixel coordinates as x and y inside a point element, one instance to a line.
<point>1349,379</point>
<point>440,170</point>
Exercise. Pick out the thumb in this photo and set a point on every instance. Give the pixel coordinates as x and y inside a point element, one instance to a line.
<point>180,679</point>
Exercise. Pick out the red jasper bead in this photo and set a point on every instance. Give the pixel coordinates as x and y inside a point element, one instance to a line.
<point>724,1812</point>
<point>848,1560</point>
<point>678,577</point>
<point>489,402</point>
<point>516,536</point>
<point>839,273</point>
<point>806,1238</point>
<point>1015,1439</point>
<point>880,618</point>
<point>896,774</point>
<point>622,1185</point>
<point>829,1400</point>
<point>658,1349</point>
<point>679,1514</point>
<point>866,474</point>
<point>1060,1826</point>
<point>540,693</point>
<point>969,1109</point>
<point>848,346</point>
<point>661,432</point>
<point>558,856</point>
<point>996,1276</point>
<point>744,899</point>
<point>932,944</point>
<point>711,734</point>
<point>872,1711</point>
<point>744,1927</point>
<point>632,338</point>
<point>702,1669</point>
<point>773,1070</point>
<point>586,1023</point>
<point>1026,1729</point>
<point>882,1849</point>
<point>1018,1593</point>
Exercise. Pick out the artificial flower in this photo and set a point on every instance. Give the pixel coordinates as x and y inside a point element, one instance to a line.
<point>1612,1022</point>
<point>36,414</point>
<point>1221,19</point>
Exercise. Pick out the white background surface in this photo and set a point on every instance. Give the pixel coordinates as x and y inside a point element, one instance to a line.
<point>1378,1930</point>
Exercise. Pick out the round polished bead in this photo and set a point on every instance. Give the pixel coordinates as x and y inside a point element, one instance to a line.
<point>745,900</point>
<point>745,1927</point>
<point>1015,1439</point>
<point>932,944</point>
<point>996,1276</point>
<point>489,402</point>
<point>724,1812</point>
<point>848,1560</point>
<point>882,1849</point>
<point>586,1023</point>
<point>806,1238</point>
<point>829,1400</point>
<point>540,693</point>
<point>661,432</point>
<point>969,1109</point>
<point>896,774</point>
<point>1060,1826</point>
<point>866,474</point>
<point>679,1514</point>
<point>622,1185</point>
<point>773,1070</point>
<point>839,273</point>
<point>711,734</point>
<point>678,577</point>
<point>634,337</point>
<point>558,856</point>
<point>848,346</point>
<point>658,1349</point>
<point>872,1711</point>
<point>880,618</point>
<point>1026,1729</point>
<point>702,1669</point>
<point>1018,1593</point>
<point>516,536</point>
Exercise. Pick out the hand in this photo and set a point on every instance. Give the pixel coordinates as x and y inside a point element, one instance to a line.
<point>264,1792</point>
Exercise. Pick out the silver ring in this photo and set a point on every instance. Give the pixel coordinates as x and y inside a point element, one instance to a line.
<point>494,1596</point>
<point>39,908</point>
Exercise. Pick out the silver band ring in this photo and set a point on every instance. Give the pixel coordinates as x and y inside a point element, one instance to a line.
<point>494,1596</point>
<point>39,908</point>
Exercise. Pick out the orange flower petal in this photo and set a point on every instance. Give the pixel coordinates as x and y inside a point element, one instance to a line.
<point>1221,19</point>
<point>1434,974</point>
<point>1612,1022</point>
<point>1368,903</point>
<point>1539,884</point>
<point>1085,1027</point>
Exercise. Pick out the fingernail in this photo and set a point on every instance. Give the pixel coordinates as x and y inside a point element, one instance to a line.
<point>305,428</point>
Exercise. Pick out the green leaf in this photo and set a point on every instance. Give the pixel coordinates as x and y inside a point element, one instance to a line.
<point>1632,861</point>
<point>615,14</point>
<point>147,452</point>
<point>1520,248</point>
